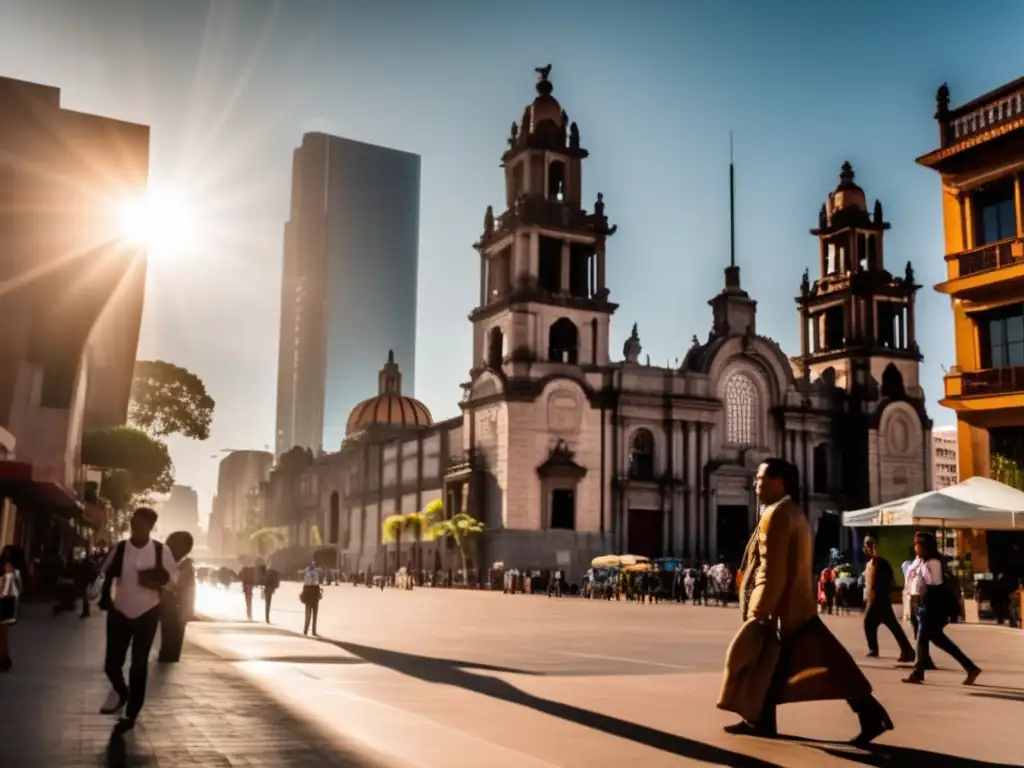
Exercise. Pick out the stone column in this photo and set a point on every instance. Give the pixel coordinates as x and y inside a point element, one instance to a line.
<point>534,254</point>
<point>692,484</point>
<point>563,280</point>
<point>709,499</point>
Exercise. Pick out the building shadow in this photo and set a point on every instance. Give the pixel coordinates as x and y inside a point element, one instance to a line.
<point>461,675</point>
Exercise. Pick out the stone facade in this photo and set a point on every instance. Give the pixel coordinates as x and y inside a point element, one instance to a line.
<point>565,454</point>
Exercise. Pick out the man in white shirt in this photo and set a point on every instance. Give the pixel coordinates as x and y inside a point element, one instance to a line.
<point>142,568</point>
<point>311,594</point>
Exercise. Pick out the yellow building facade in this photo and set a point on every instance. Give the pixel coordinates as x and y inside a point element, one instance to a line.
<point>980,160</point>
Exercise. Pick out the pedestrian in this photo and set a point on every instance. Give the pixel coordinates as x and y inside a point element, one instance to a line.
<point>248,579</point>
<point>10,599</point>
<point>777,592</point>
<point>177,604</point>
<point>271,581</point>
<point>878,612</point>
<point>937,607</point>
<point>142,569</point>
<point>312,593</point>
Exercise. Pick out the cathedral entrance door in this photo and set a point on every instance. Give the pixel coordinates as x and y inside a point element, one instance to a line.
<point>645,534</point>
<point>733,533</point>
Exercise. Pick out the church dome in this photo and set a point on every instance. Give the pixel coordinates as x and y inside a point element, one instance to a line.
<point>390,407</point>
<point>848,194</point>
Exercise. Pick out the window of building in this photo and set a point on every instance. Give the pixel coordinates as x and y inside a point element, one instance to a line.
<point>641,455</point>
<point>1003,337</point>
<point>740,410</point>
<point>564,342</point>
<point>821,469</point>
<point>563,509</point>
<point>995,215</point>
<point>495,348</point>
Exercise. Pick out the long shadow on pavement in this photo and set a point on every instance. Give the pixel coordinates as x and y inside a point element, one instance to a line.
<point>450,672</point>
<point>455,673</point>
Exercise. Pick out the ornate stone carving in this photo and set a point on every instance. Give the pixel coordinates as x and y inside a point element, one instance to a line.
<point>564,413</point>
<point>631,349</point>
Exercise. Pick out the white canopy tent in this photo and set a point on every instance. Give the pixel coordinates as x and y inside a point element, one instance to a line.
<point>975,503</point>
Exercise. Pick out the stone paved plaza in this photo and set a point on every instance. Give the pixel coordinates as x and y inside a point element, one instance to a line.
<point>452,679</point>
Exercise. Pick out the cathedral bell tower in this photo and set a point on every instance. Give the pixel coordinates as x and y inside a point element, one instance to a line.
<point>856,318</point>
<point>543,297</point>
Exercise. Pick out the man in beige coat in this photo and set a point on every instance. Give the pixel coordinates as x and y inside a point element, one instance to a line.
<point>776,584</point>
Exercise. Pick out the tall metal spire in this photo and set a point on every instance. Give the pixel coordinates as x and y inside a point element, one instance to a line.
<point>732,208</point>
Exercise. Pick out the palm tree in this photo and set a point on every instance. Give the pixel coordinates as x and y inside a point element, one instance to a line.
<point>266,540</point>
<point>461,528</point>
<point>392,529</point>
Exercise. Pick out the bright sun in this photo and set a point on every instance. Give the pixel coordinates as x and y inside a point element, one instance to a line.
<point>158,221</point>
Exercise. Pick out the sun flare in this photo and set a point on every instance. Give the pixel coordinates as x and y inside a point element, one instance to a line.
<point>158,221</point>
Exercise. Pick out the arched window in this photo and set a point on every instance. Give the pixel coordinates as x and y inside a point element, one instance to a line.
<point>334,520</point>
<point>556,180</point>
<point>740,410</point>
<point>564,342</point>
<point>495,348</point>
<point>641,455</point>
<point>822,475</point>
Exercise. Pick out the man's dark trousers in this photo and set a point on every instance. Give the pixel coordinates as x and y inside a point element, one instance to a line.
<point>880,613</point>
<point>138,633</point>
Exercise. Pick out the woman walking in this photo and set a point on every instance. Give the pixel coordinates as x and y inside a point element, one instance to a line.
<point>936,608</point>
<point>10,596</point>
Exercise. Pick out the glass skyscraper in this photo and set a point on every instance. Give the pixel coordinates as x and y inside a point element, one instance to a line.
<point>348,293</point>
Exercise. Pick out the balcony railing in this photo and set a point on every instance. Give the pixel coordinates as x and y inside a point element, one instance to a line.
<point>1005,253</point>
<point>1001,110</point>
<point>992,381</point>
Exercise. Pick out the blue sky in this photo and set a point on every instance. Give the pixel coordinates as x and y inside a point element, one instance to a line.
<point>230,87</point>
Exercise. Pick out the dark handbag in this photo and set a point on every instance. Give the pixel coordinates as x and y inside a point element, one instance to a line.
<point>8,609</point>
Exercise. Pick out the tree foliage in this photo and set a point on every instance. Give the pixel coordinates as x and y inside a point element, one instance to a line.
<point>169,400</point>
<point>138,463</point>
<point>1005,470</point>
<point>461,528</point>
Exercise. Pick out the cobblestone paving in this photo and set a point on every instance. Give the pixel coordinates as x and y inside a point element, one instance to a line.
<point>199,712</point>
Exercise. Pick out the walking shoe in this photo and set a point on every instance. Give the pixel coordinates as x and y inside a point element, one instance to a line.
<point>972,675</point>
<point>743,728</point>
<point>114,704</point>
<point>871,655</point>
<point>124,725</point>
<point>906,658</point>
<point>916,676</point>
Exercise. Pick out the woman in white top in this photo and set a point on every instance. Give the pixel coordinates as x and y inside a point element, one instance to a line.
<point>10,593</point>
<point>925,581</point>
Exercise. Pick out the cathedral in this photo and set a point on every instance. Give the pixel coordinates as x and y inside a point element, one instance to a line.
<point>565,453</point>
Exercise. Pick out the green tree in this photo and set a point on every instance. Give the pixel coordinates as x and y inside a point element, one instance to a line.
<point>169,400</point>
<point>392,528</point>
<point>1006,470</point>
<point>266,541</point>
<point>461,528</point>
<point>134,464</point>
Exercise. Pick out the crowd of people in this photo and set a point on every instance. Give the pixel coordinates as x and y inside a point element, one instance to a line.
<point>144,585</point>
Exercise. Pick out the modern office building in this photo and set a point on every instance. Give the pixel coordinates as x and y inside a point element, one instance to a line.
<point>944,469</point>
<point>980,160</point>
<point>71,294</point>
<point>237,475</point>
<point>180,512</point>
<point>351,254</point>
